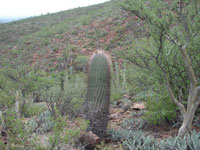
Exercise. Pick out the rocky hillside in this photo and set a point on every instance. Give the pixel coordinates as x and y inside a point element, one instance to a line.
<point>44,40</point>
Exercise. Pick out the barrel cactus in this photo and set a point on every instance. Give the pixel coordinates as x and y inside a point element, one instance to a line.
<point>98,93</point>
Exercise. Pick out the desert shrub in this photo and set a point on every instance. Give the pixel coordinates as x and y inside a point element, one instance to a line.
<point>159,108</point>
<point>24,79</point>
<point>143,85</point>
<point>133,123</point>
<point>138,81</point>
<point>34,109</point>
<point>85,20</point>
<point>44,32</point>
<point>6,86</point>
<point>119,84</point>
<point>25,106</point>
<point>120,29</point>
<point>67,95</point>
<point>62,138</point>
<point>59,123</point>
<point>72,134</point>
<point>81,63</point>
<point>21,85</point>
<point>18,137</point>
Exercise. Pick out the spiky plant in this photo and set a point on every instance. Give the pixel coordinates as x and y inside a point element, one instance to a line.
<point>98,93</point>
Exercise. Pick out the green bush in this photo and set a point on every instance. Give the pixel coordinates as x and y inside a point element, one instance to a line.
<point>81,63</point>
<point>34,109</point>
<point>62,138</point>
<point>25,79</point>
<point>18,137</point>
<point>67,95</point>
<point>159,108</point>
<point>119,84</point>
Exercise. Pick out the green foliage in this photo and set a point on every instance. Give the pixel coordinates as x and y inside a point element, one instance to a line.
<point>138,140</point>
<point>189,142</point>
<point>15,129</point>
<point>98,94</point>
<point>175,143</point>
<point>133,123</point>
<point>120,29</point>
<point>193,141</point>
<point>62,137</point>
<point>22,84</point>
<point>85,20</point>
<point>44,32</point>
<point>41,123</point>
<point>73,134</point>
<point>67,95</point>
<point>81,63</point>
<point>143,143</point>
<point>33,109</point>
<point>159,55</point>
<point>159,108</point>
<point>119,84</point>
<point>134,139</point>
<point>59,123</point>
<point>18,136</point>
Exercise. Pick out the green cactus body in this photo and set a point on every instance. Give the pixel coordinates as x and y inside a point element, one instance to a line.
<point>98,94</point>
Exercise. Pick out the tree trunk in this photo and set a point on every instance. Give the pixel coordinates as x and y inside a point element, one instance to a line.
<point>189,115</point>
<point>187,121</point>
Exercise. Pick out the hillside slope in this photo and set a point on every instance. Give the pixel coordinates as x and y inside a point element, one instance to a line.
<point>43,40</point>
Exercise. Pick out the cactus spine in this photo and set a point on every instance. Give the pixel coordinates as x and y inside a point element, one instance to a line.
<point>98,93</point>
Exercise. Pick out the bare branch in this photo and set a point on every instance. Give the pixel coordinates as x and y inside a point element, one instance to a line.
<point>160,46</point>
<point>180,106</point>
<point>187,62</point>
<point>169,38</point>
<point>180,97</point>
<point>145,61</point>
<point>174,99</point>
<point>196,97</point>
<point>189,68</point>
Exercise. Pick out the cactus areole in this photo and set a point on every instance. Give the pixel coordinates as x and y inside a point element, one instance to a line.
<point>98,93</point>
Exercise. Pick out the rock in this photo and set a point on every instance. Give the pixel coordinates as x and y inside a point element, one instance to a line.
<point>124,104</point>
<point>90,139</point>
<point>3,136</point>
<point>126,96</point>
<point>114,116</point>
<point>126,113</point>
<point>138,106</point>
<point>115,146</point>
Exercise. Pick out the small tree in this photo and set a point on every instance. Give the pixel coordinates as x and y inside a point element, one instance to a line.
<point>174,28</point>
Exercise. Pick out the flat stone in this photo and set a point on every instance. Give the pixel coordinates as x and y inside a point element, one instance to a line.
<point>138,106</point>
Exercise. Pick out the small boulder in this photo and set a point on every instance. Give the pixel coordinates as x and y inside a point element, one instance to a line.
<point>138,106</point>
<point>90,140</point>
<point>124,103</point>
